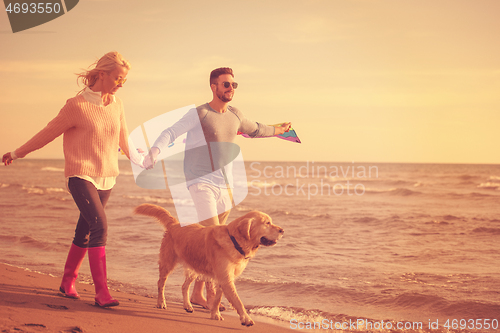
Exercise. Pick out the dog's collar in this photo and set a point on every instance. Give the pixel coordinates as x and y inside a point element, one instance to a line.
<point>237,246</point>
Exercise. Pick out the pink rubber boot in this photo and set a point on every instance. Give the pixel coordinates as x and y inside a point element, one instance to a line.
<point>97,260</point>
<point>73,263</point>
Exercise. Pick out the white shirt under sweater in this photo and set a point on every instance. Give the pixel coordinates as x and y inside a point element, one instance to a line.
<point>101,183</point>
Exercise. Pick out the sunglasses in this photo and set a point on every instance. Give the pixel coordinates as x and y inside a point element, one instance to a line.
<point>120,81</point>
<point>227,84</point>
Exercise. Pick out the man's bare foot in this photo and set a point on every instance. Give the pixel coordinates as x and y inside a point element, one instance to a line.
<point>201,301</point>
<point>221,306</point>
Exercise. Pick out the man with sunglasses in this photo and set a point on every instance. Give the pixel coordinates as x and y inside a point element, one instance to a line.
<point>205,173</point>
<point>220,123</point>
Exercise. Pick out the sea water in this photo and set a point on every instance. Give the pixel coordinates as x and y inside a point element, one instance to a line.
<point>363,241</point>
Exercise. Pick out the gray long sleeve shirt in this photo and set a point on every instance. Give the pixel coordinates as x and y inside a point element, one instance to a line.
<point>210,142</point>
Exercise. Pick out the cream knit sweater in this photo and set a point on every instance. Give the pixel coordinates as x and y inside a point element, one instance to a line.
<point>92,135</point>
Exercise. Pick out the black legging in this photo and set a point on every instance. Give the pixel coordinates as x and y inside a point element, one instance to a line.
<point>92,227</point>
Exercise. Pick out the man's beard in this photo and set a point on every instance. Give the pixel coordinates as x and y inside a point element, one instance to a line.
<point>223,98</point>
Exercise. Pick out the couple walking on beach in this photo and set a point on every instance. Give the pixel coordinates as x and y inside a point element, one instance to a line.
<point>93,127</point>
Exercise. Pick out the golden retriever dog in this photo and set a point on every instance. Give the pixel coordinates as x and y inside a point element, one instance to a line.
<point>217,253</point>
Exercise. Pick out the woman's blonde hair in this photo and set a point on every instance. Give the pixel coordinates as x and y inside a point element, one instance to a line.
<point>107,63</point>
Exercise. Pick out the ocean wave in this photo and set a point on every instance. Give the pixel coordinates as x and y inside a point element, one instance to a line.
<point>55,190</point>
<point>417,301</point>
<point>404,192</point>
<point>489,185</point>
<point>357,179</point>
<point>438,222</point>
<point>321,321</point>
<point>299,215</point>
<point>297,314</point>
<point>33,190</point>
<point>472,309</point>
<point>261,184</point>
<point>466,177</point>
<point>331,322</point>
<point>148,198</point>
<point>12,186</point>
<point>400,301</point>
<point>479,195</point>
<point>451,218</point>
<point>467,184</point>
<point>401,183</point>
<point>284,213</point>
<point>242,208</point>
<point>376,190</point>
<point>301,183</point>
<point>295,288</point>
<point>366,219</point>
<point>42,190</point>
<point>52,169</point>
<point>184,202</point>
<point>491,231</point>
<point>393,191</point>
<point>160,200</point>
<point>441,306</point>
<point>8,238</point>
<point>32,242</point>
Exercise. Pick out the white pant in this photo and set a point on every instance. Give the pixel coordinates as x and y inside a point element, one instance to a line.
<point>212,203</point>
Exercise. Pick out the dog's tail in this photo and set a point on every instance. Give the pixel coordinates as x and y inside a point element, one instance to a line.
<point>160,213</point>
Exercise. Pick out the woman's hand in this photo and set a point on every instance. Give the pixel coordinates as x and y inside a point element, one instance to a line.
<point>7,159</point>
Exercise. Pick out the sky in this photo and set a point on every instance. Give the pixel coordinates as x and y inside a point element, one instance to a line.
<point>403,81</point>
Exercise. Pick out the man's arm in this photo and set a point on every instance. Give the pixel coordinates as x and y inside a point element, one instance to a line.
<point>258,130</point>
<point>183,125</point>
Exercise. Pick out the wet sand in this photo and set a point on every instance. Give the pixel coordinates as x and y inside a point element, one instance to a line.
<point>31,302</point>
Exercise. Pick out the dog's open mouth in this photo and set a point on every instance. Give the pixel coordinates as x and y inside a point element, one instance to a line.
<point>267,242</point>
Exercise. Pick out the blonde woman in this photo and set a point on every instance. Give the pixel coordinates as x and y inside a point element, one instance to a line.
<point>93,127</point>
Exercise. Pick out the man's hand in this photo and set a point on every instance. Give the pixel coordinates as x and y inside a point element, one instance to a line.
<point>282,128</point>
<point>150,159</point>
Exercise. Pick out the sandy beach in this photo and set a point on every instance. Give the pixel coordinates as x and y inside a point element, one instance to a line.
<point>31,302</point>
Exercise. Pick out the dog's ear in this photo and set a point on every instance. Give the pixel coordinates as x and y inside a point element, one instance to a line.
<point>244,227</point>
